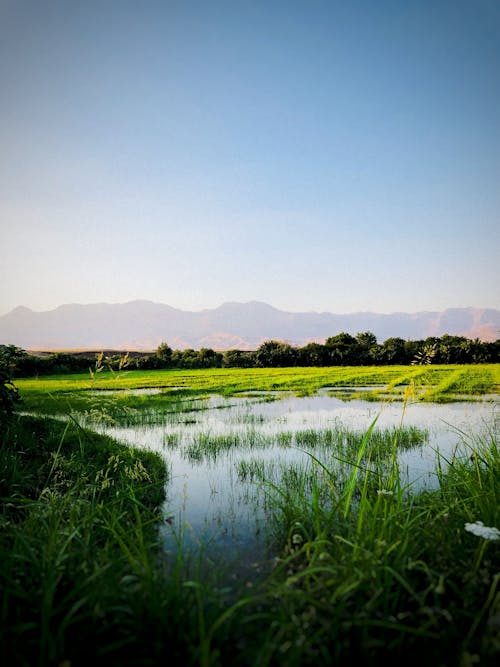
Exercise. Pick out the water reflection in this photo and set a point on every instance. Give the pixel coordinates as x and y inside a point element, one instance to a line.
<point>215,503</point>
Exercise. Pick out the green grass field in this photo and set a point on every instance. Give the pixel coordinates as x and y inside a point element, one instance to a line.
<point>52,395</point>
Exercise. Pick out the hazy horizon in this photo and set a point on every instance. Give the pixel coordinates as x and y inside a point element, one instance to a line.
<point>144,324</point>
<point>322,157</point>
<point>241,303</point>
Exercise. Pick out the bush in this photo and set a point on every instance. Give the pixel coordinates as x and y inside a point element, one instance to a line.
<point>8,391</point>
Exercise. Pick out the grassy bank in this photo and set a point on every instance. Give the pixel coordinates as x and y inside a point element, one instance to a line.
<point>79,519</point>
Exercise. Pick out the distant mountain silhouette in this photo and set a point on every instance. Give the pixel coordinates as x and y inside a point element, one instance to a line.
<point>142,325</point>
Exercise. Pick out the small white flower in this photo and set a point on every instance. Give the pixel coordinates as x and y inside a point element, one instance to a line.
<point>385,492</point>
<point>297,539</point>
<point>480,530</point>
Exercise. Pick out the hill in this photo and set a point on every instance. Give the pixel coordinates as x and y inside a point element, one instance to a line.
<point>142,325</point>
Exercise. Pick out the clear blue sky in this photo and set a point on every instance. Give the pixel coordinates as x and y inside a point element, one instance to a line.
<point>337,156</point>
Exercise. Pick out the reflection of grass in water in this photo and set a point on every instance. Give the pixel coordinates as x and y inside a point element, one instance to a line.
<point>251,419</point>
<point>347,441</point>
<point>171,440</point>
<point>338,448</point>
<point>284,439</point>
<point>250,470</point>
<point>340,441</point>
<point>207,446</point>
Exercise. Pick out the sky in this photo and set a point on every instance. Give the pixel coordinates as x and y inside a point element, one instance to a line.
<point>318,156</point>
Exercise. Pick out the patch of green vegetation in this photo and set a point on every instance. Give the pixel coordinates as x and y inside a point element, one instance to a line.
<point>206,446</point>
<point>371,574</point>
<point>78,542</point>
<point>63,394</point>
<point>332,442</point>
<point>464,383</point>
<point>253,469</point>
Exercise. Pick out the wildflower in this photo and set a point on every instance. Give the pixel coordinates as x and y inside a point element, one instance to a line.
<point>480,530</point>
<point>297,539</point>
<point>385,492</point>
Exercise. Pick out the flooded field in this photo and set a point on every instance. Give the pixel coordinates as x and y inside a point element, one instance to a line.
<point>282,516</point>
<point>227,454</point>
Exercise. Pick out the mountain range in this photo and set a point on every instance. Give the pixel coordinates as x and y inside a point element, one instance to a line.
<point>143,325</point>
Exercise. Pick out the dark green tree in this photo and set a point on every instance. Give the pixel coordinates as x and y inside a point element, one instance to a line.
<point>238,359</point>
<point>164,354</point>
<point>343,349</point>
<point>313,354</point>
<point>208,358</point>
<point>274,353</point>
<point>366,339</point>
<point>367,347</point>
<point>393,351</point>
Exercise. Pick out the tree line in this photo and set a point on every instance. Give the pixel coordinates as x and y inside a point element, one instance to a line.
<point>340,350</point>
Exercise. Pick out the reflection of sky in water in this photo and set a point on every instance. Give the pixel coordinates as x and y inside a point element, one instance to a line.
<point>210,499</point>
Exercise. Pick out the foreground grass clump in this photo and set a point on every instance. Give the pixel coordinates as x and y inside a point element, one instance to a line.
<point>78,529</point>
<point>378,574</point>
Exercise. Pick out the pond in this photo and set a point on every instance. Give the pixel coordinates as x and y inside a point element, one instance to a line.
<point>223,452</point>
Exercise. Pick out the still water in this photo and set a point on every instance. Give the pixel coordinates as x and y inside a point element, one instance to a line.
<point>209,501</point>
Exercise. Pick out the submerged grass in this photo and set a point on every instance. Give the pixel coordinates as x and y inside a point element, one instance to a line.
<point>337,442</point>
